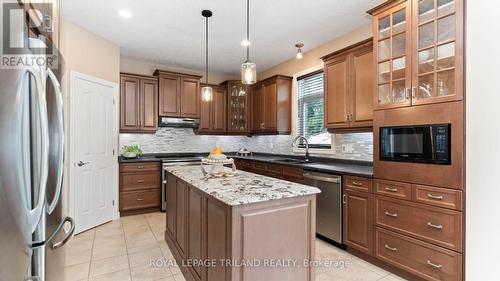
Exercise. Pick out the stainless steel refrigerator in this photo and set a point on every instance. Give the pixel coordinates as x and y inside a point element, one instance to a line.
<point>33,227</point>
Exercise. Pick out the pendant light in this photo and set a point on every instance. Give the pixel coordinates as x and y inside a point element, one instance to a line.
<point>299,50</point>
<point>248,68</point>
<point>206,92</point>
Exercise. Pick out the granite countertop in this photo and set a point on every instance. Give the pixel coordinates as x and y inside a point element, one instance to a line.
<point>319,164</point>
<point>243,188</point>
<point>143,158</point>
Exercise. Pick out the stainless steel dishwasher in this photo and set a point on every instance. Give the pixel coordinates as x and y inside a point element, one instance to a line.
<point>328,204</point>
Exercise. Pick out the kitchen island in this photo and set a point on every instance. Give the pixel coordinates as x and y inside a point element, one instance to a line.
<point>245,227</point>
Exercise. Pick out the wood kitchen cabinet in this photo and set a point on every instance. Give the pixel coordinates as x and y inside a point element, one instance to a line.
<point>348,86</point>
<point>358,214</point>
<point>272,105</point>
<point>418,48</point>
<point>213,114</point>
<point>138,103</point>
<point>239,107</point>
<point>139,188</point>
<point>179,94</point>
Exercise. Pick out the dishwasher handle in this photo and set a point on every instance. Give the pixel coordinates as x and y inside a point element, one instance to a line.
<point>323,178</point>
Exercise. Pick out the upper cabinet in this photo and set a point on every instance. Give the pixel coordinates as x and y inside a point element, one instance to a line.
<point>418,52</point>
<point>272,105</point>
<point>138,103</point>
<point>179,94</point>
<point>348,87</point>
<point>214,112</point>
<point>239,107</point>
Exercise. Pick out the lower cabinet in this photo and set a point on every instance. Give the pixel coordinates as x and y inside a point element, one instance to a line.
<point>181,211</point>
<point>417,257</point>
<point>285,172</point>
<point>139,188</point>
<point>358,217</point>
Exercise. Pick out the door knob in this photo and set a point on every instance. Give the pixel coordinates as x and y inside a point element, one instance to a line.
<point>80,163</point>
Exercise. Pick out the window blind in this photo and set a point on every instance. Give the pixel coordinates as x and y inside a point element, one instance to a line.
<point>310,119</point>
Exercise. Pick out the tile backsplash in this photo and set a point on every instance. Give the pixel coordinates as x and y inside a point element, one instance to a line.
<point>171,140</point>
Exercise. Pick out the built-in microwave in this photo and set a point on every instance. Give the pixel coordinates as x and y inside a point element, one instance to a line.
<point>419,143</point>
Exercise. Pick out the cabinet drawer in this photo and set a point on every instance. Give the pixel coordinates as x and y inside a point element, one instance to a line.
<point>140,181</point>
<point>259,167</point>
<point>133,200</point>
<point>422,259</point>
<point>139,167</point>
<point>358,184</point>
<point>393,189</point>
<point>441,197</point>
<point>294,174</point>
<point>274,168</point>
<point>435,225</point>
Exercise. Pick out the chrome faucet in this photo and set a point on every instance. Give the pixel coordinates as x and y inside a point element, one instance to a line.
<point>307,146</point>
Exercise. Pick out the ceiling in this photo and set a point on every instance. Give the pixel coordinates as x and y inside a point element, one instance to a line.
<point>172,32</point>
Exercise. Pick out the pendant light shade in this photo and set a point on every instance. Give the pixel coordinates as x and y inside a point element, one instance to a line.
<point>206,92</point>
<point>248,73</point>
<point>299,50</point>
<point>248,68</point>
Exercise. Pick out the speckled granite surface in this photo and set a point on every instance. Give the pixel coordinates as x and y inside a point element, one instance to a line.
<point>244,188</point>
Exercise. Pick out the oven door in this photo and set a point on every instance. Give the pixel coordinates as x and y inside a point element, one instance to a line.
<point>409,144</point>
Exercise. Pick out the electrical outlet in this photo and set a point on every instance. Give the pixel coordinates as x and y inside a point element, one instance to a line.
<point>347,148</point>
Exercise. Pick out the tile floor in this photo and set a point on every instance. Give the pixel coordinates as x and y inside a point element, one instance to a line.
<point>121,250</point>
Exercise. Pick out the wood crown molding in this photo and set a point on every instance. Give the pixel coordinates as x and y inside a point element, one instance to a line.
<point>159,71</point>
<point>384,6</point>
<point>361,44</point>
<point>139,75</point>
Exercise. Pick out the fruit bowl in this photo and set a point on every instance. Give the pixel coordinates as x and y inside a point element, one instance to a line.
<point>217,167</point>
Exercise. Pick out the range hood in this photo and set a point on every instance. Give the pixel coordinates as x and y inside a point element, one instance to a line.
<point>179,122</point>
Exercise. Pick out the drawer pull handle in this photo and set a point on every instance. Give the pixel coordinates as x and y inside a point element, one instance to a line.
<point>391,189</point>
<point>435,197</point>
<point>140,167</point>
<point>391,248</point>
<point>391,214</point>
<point>357,183</point>
<point>140,199</point>
<point>437,266</point>
<point>140,181</point>
<point>435,226</point>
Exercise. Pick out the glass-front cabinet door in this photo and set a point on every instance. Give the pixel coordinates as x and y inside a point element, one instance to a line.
<point>392,43</point>
<point>437,60</point>
<point>238,105</point>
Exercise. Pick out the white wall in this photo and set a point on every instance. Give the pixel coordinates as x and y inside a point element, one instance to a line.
<point>84,52</point>
<point>483,140</point>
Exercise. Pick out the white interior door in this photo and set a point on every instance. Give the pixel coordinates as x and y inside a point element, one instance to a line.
<point>94,140</point>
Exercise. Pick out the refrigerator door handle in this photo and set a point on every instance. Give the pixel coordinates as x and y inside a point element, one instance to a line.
<point>59,244</point>
<point>60,122</point>
<point>35,214</point>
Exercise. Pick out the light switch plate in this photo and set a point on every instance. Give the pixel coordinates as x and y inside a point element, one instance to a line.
<point>347,148</point>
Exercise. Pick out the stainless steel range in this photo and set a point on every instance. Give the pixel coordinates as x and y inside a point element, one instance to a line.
<point>187,160</point>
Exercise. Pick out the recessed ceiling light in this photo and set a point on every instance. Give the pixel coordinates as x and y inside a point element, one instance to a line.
<point>245,43</point>
<point>125,13</point>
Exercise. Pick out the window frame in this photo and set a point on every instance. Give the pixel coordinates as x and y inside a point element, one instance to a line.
<point>320,147</point>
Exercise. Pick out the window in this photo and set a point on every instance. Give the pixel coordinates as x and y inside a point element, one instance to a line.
<point>310,122</point>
